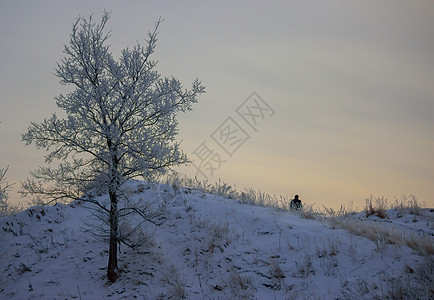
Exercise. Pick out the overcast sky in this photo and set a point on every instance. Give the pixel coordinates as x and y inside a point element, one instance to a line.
<point>344,90</point>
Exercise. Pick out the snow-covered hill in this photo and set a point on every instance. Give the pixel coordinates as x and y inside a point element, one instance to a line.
<point>212,247</point>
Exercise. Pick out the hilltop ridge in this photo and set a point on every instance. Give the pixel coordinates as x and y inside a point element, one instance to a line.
<point>213,247</point>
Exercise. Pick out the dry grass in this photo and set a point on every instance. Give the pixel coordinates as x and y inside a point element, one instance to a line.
<point>217,234</point>
<point>247,196</point>
<point>408,205</point>
<point>240,286</point>
<point>176,283</point>
<point>373,231</point>
<point>423,244</point>
<point>376,206</point>
<point>386,235</point>
<point>304,267</point>
<point>276,271</point>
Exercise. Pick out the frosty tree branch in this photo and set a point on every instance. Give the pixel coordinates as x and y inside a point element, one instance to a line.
<point>4,189</point>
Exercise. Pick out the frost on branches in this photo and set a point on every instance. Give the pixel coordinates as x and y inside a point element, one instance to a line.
<point>120,124</point>
<point>4,188</point>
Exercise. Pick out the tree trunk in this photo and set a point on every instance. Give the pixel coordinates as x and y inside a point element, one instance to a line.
<point>113,217</point>
<point>113,247</point>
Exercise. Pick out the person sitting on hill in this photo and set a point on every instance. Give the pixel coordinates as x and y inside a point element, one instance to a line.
<point>295,203</point>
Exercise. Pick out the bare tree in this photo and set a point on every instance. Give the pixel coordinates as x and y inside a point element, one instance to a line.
<point>120,124</point>
<point>4,188</point>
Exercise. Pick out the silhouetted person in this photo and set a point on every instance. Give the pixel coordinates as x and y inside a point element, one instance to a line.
<point>295,203</point>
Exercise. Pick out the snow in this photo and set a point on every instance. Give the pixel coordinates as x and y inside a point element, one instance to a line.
<point>210,247</point>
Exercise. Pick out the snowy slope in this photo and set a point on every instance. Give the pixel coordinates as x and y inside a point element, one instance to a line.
<point>209,247</point>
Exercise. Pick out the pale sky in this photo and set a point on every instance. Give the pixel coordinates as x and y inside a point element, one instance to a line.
<point>347,89</point>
